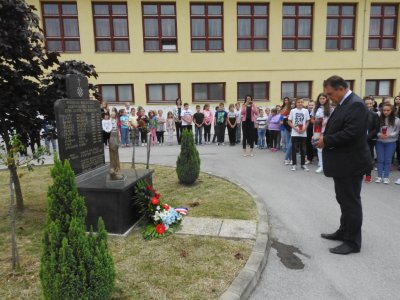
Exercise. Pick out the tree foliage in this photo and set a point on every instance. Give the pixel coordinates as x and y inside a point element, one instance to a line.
<point>54,86</point>
<point>74,265</point>
<point>188,163</point>
<point>31,78</point>
<point>23,61</point>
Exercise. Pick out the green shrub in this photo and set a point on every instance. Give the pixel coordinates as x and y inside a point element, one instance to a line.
<point>188,163</point>
<point>74,265</point>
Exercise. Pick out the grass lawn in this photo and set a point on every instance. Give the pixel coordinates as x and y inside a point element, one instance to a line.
<point>175,267</point>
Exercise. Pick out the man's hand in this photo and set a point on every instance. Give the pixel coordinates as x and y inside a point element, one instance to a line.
<point>320,144</point>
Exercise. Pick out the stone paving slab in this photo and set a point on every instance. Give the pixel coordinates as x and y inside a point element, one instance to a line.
<point>241,229</point>
<point>225,228</point>
<point>200,226</point>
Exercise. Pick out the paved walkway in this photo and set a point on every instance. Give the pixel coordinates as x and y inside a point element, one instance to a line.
<point>300,206</point>
<point>224,228</point>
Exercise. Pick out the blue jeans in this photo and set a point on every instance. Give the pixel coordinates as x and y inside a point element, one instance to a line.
<point>284,139</point>
<point>384,152</point>
<point>261,138</point>
<point>198,131</point>
<point>288,153</point>
<point>124,136</point>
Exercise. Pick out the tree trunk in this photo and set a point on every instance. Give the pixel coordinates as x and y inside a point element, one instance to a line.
<point>17,187</point>
<point>14,249</point>
<point>14,174</point>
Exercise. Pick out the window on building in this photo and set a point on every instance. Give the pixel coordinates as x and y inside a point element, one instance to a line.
<point>61,29</point>
<point>297,26</point>
<point>111,27</point>
<point>252,26</point>
<point>208,91</point>
<point>379,87</point>
<point>206,21</point>
<point>383,26</point>
<point>296,89</point>
<point>258,90</point>
<point>340,26</point>
<point>116,92</point>
<point>350,83</point>
<point>168,92</point>
<point>159,27</point>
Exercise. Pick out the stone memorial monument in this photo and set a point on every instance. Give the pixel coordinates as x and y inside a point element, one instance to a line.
<point>107,189</point>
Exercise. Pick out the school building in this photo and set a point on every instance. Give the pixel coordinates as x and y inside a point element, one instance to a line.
<point>151,52</point>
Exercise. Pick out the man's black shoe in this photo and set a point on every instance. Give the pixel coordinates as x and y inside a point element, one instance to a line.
<point>343,249</point>
<point>332,236</point>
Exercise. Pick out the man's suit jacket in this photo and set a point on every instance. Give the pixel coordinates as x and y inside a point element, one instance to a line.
<point>346,151</point>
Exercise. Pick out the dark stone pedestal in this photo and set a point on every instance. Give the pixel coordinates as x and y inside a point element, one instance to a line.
<point>113,204</point>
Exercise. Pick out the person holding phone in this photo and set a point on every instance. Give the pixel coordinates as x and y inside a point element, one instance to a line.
<point>249,114</point>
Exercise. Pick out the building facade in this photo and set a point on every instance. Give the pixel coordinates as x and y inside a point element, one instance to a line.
<point>151,52</point>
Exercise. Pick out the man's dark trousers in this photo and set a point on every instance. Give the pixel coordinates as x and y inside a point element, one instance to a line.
<point>348,191</point>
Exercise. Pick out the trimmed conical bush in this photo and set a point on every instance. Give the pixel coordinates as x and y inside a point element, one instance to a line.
<point>74,265</point>
<point>188,163</point>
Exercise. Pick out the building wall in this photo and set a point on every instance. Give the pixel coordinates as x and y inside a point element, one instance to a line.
<point>231,66</point>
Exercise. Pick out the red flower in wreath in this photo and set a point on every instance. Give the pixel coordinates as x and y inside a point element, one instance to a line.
<point>160,228</point>
<point>155,201</point>
<point>157,195</point>
<point>148,187</point>
<point>166,206</point>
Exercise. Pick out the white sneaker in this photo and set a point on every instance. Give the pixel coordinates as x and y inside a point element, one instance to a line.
<point>142,144</point>
<point>319,170</point>
<point>386,180</point>
<point>287,162</point>
<point>293,168</point>
<point>378,179</point>
<point>397,181</point>
<point>304,167</point>
<point>223,144</point>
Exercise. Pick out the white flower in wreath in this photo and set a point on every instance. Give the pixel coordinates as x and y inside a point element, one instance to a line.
<point>158,207</point>
<point>156,216</point>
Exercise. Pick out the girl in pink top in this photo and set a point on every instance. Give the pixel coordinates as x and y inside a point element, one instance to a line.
<point>208,118</point>
<point>249,114</point>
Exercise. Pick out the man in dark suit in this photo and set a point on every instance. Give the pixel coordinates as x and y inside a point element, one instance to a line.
<point>346,158</point>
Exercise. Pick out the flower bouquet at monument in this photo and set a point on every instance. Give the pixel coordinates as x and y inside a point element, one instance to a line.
<point>162,219</point>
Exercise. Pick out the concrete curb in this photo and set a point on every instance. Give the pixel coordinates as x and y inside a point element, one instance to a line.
<point>247,279</point>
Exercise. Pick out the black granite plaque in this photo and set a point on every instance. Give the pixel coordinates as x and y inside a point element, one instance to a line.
<point>79,133</point>
<point>77,87</point>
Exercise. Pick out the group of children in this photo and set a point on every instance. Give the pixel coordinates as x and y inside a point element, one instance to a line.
<point>135,126</point>
<point>290,127</point>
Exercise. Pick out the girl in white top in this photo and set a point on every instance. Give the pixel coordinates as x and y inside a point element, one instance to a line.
<point>319,117</point>
<point>170,126</point>
<point>106,125</point>
<point>298,119</point>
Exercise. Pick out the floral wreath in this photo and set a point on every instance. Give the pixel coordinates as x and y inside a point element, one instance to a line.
<point>162,219</point>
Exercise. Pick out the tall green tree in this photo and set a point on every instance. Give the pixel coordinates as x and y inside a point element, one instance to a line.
<point>31,79</point>
<point>23,61</point>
